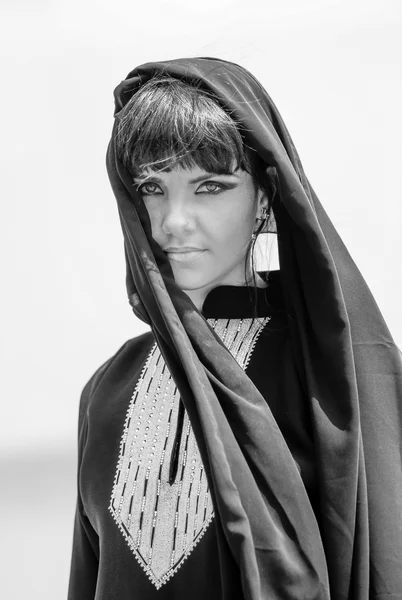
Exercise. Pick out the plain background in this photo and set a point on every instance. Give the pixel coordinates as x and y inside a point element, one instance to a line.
<point>334,70</point>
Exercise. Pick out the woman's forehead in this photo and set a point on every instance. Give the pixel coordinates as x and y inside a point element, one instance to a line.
<point>190,170</point>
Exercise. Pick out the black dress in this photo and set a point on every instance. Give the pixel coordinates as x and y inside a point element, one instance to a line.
<point>137,533</point>
<point>338,350</point>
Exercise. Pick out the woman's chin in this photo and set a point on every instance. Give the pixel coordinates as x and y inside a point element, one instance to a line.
<point>188,284</point>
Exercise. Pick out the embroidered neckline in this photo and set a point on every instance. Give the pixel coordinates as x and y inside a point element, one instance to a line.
<point>163,523</point>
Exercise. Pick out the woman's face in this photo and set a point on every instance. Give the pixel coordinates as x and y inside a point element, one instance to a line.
<point>204,223</point>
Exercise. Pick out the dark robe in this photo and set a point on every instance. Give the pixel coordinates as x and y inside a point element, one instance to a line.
<point>103,564</point>
<point>271,539</point>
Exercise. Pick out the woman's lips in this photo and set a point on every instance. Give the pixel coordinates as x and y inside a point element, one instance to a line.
<point>184,255</point>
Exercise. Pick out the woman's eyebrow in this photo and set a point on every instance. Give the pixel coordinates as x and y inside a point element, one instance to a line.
<point>207,175</point>
<point>146,178</point>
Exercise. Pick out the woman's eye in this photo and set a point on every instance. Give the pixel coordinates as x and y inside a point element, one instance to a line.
<point>211,187</point>
<point>149,189</point>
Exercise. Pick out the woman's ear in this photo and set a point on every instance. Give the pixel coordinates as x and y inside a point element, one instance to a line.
<point>262,204</point>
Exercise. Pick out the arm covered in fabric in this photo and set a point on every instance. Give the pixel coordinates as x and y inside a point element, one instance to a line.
<point>85,549</point>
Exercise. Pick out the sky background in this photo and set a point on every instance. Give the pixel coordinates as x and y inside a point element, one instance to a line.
<point>333,69</point>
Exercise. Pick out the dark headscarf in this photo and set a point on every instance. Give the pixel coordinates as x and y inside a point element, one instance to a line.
<point>347,363</point>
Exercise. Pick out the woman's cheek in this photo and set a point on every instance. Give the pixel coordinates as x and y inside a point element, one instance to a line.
<point>232,238</point>
<point>239,225</point>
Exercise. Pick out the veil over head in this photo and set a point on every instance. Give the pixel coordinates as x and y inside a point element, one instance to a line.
<point>347,364</point>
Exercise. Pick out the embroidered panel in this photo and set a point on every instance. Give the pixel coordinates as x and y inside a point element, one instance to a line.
<point>162,523</point>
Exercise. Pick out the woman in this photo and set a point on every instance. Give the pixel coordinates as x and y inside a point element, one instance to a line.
<point>248,446</point>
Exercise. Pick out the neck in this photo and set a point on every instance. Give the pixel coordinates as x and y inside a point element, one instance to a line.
<point>198,296</point>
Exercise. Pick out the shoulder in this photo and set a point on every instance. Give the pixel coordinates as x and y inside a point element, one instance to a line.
<point>121,366</point>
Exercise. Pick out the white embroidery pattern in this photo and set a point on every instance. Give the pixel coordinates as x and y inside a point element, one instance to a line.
<point>162,523</point>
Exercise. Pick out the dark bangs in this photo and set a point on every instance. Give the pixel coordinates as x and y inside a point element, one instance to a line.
<point>169,123</point>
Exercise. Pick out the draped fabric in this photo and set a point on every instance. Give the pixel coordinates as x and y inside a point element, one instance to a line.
<point>348,366</point>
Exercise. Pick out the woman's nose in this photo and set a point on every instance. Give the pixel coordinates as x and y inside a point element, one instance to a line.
<point>176,218</point>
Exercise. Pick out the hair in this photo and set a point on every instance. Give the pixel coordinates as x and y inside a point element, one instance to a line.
<point>169,123</point>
